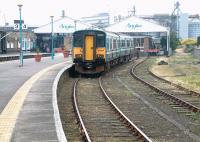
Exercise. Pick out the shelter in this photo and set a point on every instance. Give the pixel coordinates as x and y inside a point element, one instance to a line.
<point>134,24</point>
<point>62,26</point>
<point>62,30</point>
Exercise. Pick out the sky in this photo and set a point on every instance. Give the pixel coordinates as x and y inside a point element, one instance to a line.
<point>38,12</point>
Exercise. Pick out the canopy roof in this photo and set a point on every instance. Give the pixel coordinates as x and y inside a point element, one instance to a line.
<point>135,24</point>
<point>63,25</point>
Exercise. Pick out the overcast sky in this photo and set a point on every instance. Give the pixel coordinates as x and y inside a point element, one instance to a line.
<point>37,12</point>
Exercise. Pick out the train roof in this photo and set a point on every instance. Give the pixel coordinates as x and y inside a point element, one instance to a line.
<point>108,33</point>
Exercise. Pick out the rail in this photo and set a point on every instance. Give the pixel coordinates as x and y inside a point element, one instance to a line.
<point>174,84</point>
<point>132,126</point>
<point>170,96</point>
<point>83,128</point>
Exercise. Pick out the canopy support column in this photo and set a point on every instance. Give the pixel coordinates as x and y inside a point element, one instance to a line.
<point>168,43</point>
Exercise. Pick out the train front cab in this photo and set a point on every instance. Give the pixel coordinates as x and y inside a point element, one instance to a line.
<point>89,51</point>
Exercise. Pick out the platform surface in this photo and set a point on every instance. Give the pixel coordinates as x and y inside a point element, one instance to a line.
<point>12,77</point>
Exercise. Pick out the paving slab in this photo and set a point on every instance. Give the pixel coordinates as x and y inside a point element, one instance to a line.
<point>36,120</point>
<point>16,82</point>
<point>12,76</point>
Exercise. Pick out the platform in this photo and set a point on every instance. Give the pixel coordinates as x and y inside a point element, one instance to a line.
<point>15,56</point>
<point>31,84</point>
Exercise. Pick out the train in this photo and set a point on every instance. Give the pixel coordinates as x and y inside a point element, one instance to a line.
<point>96,51</point>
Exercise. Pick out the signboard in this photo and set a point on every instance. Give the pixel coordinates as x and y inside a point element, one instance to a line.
<point>16,26</point>
<point>18,21</point>
<point>133,26</point>
<point>67,27</point>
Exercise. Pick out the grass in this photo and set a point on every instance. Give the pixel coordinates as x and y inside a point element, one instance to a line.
<point>182,69</point>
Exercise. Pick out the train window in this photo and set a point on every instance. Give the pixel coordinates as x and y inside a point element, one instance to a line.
<point>135,42</point>
<point>125,46</point>
<point>128,43</point>
<point>114,44</point>
<point>100,41</point>
<point>110,44</point>
<point>78,41</point>
<point>107,43</point>
<point>123,43</point>
<point>118,43</point>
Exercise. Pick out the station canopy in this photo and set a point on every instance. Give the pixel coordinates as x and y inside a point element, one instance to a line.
<point>135,25</point>
<point>63,25</point>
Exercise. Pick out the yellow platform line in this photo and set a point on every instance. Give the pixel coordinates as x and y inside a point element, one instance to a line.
<point>10,113</point>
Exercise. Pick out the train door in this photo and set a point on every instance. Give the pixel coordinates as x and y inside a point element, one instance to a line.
<point>89,48</point>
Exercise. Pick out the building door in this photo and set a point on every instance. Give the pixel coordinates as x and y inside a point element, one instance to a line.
<point>89,47</point>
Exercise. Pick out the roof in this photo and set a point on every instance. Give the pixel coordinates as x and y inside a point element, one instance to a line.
<point>195,20</point>
<point>11,29</point>
<point>63,25</point>
<point>135,24</point>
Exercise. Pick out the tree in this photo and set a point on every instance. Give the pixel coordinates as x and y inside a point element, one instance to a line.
<point>174,42</point>
<point>189,42</point>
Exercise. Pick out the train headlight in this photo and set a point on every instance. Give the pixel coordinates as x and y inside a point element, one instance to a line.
<point>100,56</point>
<point>78,55</point>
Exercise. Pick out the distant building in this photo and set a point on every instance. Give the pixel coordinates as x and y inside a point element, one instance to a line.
<point>189,25</point>
<point>170,21</point>
<point>183,26</point>
<point>161,19</point>
<point>194,28</point>
<point>100,20</point>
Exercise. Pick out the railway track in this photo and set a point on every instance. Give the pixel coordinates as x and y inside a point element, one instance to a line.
<point>182,98</point>
<point>99,118</point>
<point>67,115</point>
<point>104,124</point>
<point>139,104</point>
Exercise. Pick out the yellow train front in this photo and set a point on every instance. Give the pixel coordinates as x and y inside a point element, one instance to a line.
<point>96,51</point>
<point>89,51</point>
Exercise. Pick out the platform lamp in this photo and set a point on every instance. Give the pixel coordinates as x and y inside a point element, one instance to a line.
<point>20,30</point>
<point>52,47</point>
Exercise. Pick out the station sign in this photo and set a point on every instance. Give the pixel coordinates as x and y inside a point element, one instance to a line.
<point>67,27</point>
<point>17,27</point>
<point>134,26</point>
<point>17,23</point>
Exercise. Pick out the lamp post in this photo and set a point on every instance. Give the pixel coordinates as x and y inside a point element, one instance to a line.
<point>20,29</point>
<point>52,48</point>
<point>75,21</point>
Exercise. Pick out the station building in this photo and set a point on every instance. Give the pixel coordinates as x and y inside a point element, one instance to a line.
<point>143,32</point>
<point>41,37</point>
<point>10,39</point>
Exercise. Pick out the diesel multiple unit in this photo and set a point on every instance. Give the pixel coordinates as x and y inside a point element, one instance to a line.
<point>95,51</point>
